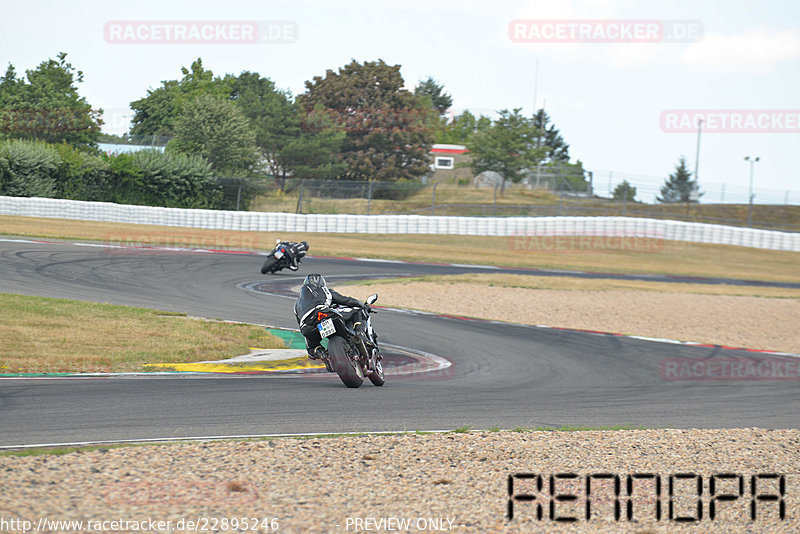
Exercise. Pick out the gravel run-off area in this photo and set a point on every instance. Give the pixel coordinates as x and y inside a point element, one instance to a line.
<point>734,321</point>
<point>456,482</point>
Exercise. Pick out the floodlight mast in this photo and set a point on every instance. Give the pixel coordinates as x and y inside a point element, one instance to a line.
<point>750,207</point>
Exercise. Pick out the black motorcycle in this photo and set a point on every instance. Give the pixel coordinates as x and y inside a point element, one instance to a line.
<point>279,257</point>
<point>353,351</point>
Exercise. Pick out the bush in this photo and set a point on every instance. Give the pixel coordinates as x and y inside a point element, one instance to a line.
<point>150,177</point>
<point>125,179</point>
<point>28,169</point>
<point>176,180</point>
<point>399,190</point>
<point>82,176</point>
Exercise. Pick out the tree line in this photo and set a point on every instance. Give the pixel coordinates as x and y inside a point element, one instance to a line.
<point>356,123</point>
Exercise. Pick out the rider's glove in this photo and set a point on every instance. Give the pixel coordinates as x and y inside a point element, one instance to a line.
<point>366,307</point>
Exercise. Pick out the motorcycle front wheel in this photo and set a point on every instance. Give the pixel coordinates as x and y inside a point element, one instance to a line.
<point>377,377</point>
<point>269,265</point>
<point>348,370</point>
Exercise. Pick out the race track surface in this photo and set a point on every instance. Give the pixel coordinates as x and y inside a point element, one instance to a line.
<point>501,375</point>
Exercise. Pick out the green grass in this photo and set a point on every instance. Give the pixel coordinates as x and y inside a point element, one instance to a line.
<point>46,335</point>
<point>61,451</point>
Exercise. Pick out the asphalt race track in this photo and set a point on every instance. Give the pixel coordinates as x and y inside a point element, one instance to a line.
<point>501,375</point>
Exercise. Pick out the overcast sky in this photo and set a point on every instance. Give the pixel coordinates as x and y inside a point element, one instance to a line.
<point>607,98</point>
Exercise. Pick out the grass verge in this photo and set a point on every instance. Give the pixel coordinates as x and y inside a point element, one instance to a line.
<point>54,335</point>
<point>664,257</point>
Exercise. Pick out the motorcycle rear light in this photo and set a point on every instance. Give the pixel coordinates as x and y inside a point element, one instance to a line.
<point>321,316</point>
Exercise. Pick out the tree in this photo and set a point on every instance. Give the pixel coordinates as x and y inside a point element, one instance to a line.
<point>624,191</point>
<point>47,106</point>
<point>214,128</point>
<point>460,130</point>
<point>388,130</point>
<point>431,89</point>
<point>288,146</point>
<point>157,113</point>
<point>679,187</point>
<point>508,147</point>
<point>549,137</point>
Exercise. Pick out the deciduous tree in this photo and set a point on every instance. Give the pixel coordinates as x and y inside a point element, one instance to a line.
<point>508,147</point>
<point>388,130</point>
<point>47,106</point>
<point>214,128</point>
<point>157,113</point>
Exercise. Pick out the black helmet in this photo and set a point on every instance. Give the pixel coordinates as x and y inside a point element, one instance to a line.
<point>314,280</point>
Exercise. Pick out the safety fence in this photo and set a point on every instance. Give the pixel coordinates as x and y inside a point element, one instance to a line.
<point>402,224</point>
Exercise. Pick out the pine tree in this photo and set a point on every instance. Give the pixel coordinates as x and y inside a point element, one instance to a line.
<point>680,187</point>
<point>624,191</point>
<point>440,100</point>
<point>548,136</point>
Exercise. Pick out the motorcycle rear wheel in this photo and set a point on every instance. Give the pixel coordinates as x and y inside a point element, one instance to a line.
<point>348,370</point>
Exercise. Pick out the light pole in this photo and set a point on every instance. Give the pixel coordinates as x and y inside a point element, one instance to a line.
<point>750,207</point>
<point>697,155</point>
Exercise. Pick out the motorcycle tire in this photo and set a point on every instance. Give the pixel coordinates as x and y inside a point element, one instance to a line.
<point>269,265</point>
<point>348,371</point>
<point>376,377</point>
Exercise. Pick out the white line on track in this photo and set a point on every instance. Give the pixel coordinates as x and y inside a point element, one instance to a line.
<point>215,438</point>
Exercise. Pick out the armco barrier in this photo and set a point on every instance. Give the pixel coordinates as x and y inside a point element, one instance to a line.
<point>402,224</point>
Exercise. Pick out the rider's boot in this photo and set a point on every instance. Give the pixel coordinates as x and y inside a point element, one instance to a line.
<point>321,354</point>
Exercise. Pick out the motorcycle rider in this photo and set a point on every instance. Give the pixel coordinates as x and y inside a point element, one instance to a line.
<point>291,253</point>
<point>315,294</point>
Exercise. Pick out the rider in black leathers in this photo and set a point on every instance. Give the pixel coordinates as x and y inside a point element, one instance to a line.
<point>315,294</point>
<point>291,253</point>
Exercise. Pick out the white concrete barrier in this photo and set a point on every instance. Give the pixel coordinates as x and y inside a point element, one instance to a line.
<point>402,224</point>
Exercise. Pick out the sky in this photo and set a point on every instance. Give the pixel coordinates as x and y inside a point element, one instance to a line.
<point>612,101</point>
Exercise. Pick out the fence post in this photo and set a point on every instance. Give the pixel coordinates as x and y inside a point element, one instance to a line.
<point>369,196</point>
<point>300,199</point>
<point>433,199</point>
<point>239,195</point>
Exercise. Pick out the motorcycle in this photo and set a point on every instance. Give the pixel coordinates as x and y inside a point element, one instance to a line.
<point>352,353</point>
<point>279,257</point>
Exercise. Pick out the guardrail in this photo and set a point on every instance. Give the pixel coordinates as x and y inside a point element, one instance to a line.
<point>251,221</point>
